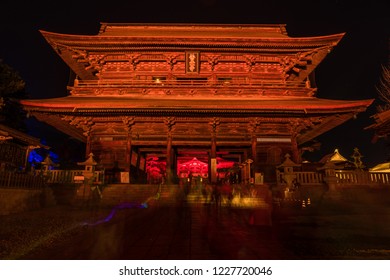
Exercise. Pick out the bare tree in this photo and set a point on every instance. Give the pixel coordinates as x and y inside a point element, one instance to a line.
<point>12,88</point>
<point>383,88</point>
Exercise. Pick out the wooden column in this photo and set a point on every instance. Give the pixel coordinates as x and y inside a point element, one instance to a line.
<point>252,128</point>
<point>88,147</point>
<point>128,121</point>
<point>169,158</point>
<point>213,152</point>
<point>128,151</point>
<point>169,122</point>
<point>213,159</point>
<point>295,150</point>
<point>254,152</point>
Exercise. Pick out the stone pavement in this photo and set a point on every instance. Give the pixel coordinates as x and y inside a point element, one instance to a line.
<point>187,232</point>
<point>347,228</point>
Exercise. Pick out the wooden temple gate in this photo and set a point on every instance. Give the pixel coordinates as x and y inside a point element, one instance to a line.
<point>148,97</point>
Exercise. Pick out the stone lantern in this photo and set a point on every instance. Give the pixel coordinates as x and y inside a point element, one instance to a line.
<point>84,191</point>
<point>47,163</point>
<point>330,175</point>
<point>288,170</point>
<point>90,165</point>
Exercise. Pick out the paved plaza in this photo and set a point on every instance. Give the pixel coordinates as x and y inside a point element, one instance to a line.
<point>328,230</point>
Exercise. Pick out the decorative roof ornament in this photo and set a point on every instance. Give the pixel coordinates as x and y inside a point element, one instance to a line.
<point>288,162</point>
<point>89,162</point>
<point>48,163</point>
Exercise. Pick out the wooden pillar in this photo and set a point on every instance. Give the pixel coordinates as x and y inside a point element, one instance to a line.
<point>213,159</point>
<point>295,150</point>
<point>128,121</point>
<point>252,128</point>
<point>128,151</point>
<point>169,158</point>
<point>169,122</point>
<point>174,161</point>
<point>88,147</point>
<point>254,152</point>
<point>213,152</point>
<point>244,169</point>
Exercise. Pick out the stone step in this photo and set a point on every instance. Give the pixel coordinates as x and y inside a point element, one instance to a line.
<point>116,193</point>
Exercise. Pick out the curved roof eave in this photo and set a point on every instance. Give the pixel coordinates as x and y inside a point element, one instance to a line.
<point>107,104</point>
<point>157,39</point>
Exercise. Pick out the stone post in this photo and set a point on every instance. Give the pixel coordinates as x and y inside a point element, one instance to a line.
<point>46,166</point>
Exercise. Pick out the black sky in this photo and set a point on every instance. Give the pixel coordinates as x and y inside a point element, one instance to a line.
<point>350,71</point>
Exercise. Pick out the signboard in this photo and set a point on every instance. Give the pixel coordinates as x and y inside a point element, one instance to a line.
<point>259,178</point>
<point>125,177</point>
<point>79,179</point>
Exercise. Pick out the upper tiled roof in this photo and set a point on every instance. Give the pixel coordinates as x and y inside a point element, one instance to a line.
<point>194,30</point>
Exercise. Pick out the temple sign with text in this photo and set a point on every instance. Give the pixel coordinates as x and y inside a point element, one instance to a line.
<point>170,101</point>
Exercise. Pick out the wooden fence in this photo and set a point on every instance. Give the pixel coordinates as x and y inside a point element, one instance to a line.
<point>310,178</point>
<point>30,181</point>
<point>362,178</point>
<point>303,178</point>
<point>20,180</point>
<point>344,178</point>
<point>67,176</point>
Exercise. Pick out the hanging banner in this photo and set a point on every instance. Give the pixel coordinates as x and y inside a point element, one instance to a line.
<point>192,62</point>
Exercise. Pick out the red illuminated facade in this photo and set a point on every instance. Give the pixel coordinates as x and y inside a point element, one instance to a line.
<point>152,98</point>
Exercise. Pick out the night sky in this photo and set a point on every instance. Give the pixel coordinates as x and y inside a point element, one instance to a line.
<point>351,71</point>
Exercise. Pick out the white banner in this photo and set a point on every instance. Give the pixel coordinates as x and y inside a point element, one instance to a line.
<point>198,269</point>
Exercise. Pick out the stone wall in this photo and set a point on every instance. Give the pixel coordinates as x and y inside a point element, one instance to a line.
<point>20,200</point>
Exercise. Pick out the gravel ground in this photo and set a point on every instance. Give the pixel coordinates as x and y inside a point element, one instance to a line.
<point>23,232</point>
<point>330,230</point>
<point>342,230</point>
